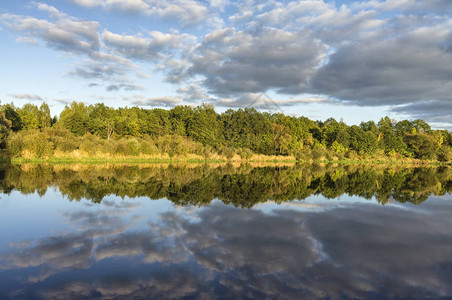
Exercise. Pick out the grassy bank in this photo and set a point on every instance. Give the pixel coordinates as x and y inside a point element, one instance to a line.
<point>218,160</point>
<point>148,159</point>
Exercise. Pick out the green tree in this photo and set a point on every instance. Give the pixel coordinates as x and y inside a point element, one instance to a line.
<point>11,114</point>
<point>101,120</point>
<point>281,139</point>
<point>421,126</point>
<point>403,127</point>
<point>44,117</point>
<point>369,126</point>
<point>74,118</point>
<point>29,114</point>
<point>423,146</point>
<point>361,141</point>
<point>180,117</point>
<point>5,129</point>
<point>205,125</point>
<point>247,128</point>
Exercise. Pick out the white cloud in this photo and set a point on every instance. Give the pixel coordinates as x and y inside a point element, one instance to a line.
<point>146,47</point>
<point>64,34</point>
<point>184,11</point>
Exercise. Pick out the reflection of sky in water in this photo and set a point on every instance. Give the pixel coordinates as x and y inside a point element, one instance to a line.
<point>319,203</point>
<point>347,247</point>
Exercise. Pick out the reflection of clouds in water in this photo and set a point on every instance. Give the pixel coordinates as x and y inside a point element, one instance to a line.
<point>407,251</point>
<point>147,245</point>
<point>98,223</point>
<point>354,251</point>
<point>52,254</point>
<point>228,239</point>
<point>66,251</point>
<point>120,204</point>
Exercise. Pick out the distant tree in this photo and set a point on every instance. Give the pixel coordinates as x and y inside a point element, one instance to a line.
<point>386,125</point>
<point>335,131</point>
<point>422,146</point>
<point>5,129</point>
<point>421,126</point>
<point>247,128</point>
<point>444,153</point>
<point>369,126</point>
<point>361,141</point>
<point>11,114</point>
<point>75,118</point>
<point>180,117</point>
<point>30,116</point>
<point>403,127</point>
<point>101,120</point>
<point>45,120</point>
<point>281,139</point>
<point>205,125</point>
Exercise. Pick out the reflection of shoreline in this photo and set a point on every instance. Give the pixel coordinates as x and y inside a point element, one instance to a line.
<point>354,251</point>
<point>243,185</point>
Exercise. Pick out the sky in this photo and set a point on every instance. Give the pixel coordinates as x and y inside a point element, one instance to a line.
<point>351,60</point>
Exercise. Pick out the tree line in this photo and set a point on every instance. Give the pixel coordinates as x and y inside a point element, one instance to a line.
<point>31,131</point>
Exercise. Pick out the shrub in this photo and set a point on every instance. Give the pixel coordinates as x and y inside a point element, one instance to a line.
<point>36,144</point>
<point>352,155</point>
<point>245,153</point>
<point>122,148</point>
<point>147,146</point>
<point>15,144</point>
<point>444,154</point>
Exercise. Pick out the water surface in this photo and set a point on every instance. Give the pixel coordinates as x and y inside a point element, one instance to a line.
<point>126,232</point>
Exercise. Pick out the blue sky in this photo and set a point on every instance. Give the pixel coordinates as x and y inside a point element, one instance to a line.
<point>351,60</point>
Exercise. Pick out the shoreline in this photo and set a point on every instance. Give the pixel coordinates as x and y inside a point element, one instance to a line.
<point>188,160</point>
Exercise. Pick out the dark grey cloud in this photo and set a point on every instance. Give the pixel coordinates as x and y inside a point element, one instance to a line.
<point>441,7</point>
<point>391,71</point>
<point>234,62</point>
<point>433,111</point>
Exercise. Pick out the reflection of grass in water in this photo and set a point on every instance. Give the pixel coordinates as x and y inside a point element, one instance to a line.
<point>54,160</point>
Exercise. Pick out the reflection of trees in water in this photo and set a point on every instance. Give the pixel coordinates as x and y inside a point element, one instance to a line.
<point>242,186</point>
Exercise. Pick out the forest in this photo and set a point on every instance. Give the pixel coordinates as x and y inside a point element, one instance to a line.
<point>83,131</point>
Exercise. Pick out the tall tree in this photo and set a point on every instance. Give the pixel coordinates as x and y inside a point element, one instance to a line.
<point>29,114</point>
<point>205,126</point>
<point>75,118</point>
<point>11,114</point>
